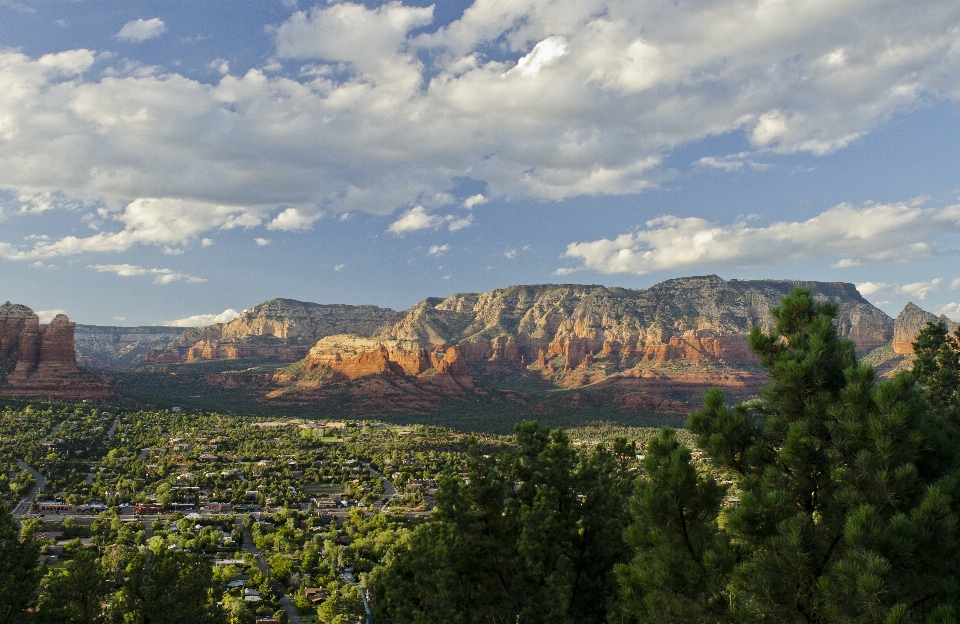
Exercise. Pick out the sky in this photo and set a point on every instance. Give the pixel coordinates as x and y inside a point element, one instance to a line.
<point>180,161</point>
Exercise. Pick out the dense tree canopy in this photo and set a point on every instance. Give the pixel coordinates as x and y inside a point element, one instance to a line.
<point>19,571</point>
<point>529,535</point>
<point>848,496</point>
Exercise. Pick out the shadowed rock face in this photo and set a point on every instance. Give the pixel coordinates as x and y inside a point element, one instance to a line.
<point>46,362</point>
<point>113,348</point>
<point>12,320</point>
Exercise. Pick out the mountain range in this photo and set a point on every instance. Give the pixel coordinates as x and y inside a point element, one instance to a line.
<point>526,349</point>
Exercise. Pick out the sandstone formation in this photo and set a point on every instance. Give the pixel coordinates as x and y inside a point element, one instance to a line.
<point>564,328</point>
<point>43,359</point>
<point>908,325</point>
<point>115,348</point>
<point>280,329</point>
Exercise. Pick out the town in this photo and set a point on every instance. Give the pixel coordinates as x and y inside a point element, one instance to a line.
<point>288,514</point>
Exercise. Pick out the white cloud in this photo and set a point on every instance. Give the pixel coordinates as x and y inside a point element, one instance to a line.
<point>160,276</point>
<point>510,253</point>
<point>202,320</point>
<point>459,223</point>
<point>591,96</point>
<point>417,218</point>
<point>543,54</point>
<point>436,250</point>
<point>206,242</point>
<point>339,267</point>
<point>955,284</point>
<point>474,200</point>
<point>140,30</point>
<point>920,290</point>
<point>119,318</point>
<point>166,222</point>
<point>950,310</point>
<point>844,234</point>
<point>870,288</point>
<point>48,315</point>
<point>917,290</point>
<point>292,219</point>
<point>262,242</point>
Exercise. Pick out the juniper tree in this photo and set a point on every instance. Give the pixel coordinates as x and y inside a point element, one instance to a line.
<point>848,502</point>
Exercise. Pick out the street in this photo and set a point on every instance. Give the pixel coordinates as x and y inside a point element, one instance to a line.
<point>250,547</point>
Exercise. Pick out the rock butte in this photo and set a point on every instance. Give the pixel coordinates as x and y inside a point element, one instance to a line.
<point>42,358</point>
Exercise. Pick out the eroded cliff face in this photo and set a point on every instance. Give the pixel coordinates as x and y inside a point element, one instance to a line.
<point>564,328</point>
<point>280,329</point>
<point>115,348</point>
<point>908,324</point>
<point>45,358</point>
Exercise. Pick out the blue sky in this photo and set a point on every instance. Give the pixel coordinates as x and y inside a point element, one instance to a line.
<point>163,161</point>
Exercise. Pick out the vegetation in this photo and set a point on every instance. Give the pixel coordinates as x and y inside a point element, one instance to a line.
<point>832,497</point>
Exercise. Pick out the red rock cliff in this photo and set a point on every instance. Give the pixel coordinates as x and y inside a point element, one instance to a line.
<point>46,361</point>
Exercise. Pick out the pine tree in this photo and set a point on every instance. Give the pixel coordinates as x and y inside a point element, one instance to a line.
<point>528,535</point>
<point>848,502</point>
<point>20,571</point>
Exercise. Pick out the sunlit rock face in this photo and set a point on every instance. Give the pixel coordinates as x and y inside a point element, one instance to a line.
<point>568,327</point>
<point>908,325</point>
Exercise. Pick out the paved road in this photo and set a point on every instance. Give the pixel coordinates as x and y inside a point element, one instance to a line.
<point>251,547</point>
<point>24,505</point>
<point>389,490</point>
<point>113,427</point>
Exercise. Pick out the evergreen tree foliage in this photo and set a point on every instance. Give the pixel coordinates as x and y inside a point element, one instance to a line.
<point>529,535</point>
<point>19,571</point>
<point>166,586</point>
<point>847,505</point>
<point>936,366</point>
<point>681,557</point>
<point>74,594</point>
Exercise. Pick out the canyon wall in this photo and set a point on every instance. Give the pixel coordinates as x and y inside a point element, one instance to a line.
<point>42,361</point>
<point>908,325</point>
<point>279,329</point>
<point>562,328</point>
<point>116,348</point>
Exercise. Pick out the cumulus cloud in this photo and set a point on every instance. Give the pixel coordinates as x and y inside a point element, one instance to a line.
<point>140,30</point>
<point>474,200</point>
<point>417,218</point>
<point>202,320</point>
<point>48,315</point>
<point>166,222</point>
<point>292,219</point>
<point>950,310</point>
<point>436,250</point>
<point>160,276</point>
<point>916,290</point>
<point>262,242</point>
<point>920,290</point>
<point>582,97</point>
<point>845,234</point>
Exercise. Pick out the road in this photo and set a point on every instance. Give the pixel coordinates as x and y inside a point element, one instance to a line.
<point>250,547</point>
<point>388,489</point>
<point>24,507</point>
<point>113,427</point>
